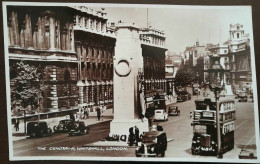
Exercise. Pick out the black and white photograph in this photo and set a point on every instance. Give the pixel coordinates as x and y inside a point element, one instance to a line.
<point>130,82</point>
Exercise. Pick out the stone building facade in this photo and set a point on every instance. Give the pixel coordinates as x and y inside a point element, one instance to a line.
<point>153,52</point>
<point>240,60</point>
<point>44,36</point>
<point>94,45</point>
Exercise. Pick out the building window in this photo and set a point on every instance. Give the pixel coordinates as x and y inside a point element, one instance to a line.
<point>237,35</point>
<point>91,24</point>
<point>86,22</point>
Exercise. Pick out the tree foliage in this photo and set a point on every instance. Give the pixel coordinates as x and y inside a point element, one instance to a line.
<point>186,75</point>
<point>26,83</point>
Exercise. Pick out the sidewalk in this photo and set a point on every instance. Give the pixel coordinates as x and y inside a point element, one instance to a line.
<point>92,120</point>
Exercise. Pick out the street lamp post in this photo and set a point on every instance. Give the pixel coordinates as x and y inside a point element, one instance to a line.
<point>216,84</point>
<point>24,118</point>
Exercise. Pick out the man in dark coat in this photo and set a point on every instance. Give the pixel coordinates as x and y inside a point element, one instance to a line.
<point>98,113</point>
<point>131,136</point>
<point>137,134</point>
<point>72,117</point>
<point>16,125</point>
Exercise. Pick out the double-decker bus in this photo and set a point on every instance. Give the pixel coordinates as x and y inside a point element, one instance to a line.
<point>205,126</point>
<point>155,99</point>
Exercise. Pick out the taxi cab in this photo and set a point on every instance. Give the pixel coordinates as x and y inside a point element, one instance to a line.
<point>160,114</point>
<point>154,143</point>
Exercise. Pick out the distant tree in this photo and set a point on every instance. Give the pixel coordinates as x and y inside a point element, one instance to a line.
<point>26,83</point>
<point>186,75</point>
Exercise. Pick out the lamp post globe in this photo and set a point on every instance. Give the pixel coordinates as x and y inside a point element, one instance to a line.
<point>216,76</point>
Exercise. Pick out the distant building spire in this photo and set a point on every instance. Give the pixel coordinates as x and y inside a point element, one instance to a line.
<point>197,42</point>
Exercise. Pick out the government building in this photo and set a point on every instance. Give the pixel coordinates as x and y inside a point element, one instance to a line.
<point>73,50</point>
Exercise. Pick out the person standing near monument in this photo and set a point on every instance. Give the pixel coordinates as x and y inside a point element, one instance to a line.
<point>98,113</point>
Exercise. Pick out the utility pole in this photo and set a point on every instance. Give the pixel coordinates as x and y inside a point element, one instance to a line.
<point>147,19</point>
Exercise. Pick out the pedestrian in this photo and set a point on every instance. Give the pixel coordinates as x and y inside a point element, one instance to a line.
<point>81,114</point>
<point>72,117</point>
<point>102,110</point>
<point>85,113</point>
<point>131,136</point>
<point>98,113</point>
<point>137,134</point>
<point>16,125</point>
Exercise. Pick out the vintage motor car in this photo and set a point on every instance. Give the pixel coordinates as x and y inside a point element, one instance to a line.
<point>173,111</point>
<point>183,96</point>
<point>38,129</point>
<point>63,126</point>
<point>78,128</point>
<point>242,96</point>
<point>195,89</point>
<point>160,114</point>
<point>153,144</point>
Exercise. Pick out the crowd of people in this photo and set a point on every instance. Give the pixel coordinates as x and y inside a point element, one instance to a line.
<point>84,112</point>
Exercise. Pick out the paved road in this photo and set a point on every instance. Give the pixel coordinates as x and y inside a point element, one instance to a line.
<point>180,130</point>
<point>177,127</point>
<point>44,146</point>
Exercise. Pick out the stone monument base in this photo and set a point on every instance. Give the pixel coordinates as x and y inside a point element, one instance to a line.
<point>121,126</point>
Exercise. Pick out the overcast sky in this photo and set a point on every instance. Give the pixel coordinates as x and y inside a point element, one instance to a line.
<point>183,25</point>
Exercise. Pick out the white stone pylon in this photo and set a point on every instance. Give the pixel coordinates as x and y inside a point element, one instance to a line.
<point>128,59</point>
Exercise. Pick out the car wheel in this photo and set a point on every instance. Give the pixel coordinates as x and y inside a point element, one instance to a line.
<point>32,135</point>
<point>50,132</point>
<point>55,128</point>
<point>88,130</point>
<point>41,134</point>
<point>157,153</point>
<point>192,151</point>
<point>163,153</point>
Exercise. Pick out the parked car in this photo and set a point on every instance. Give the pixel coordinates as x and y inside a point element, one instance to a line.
<point>78,128</point>
<point>38,129</point>
<point>248,153</point>
<point>173,111</point>
<point>160,114</point>
<point>63,126</point>
<point>242,96</point>
<point>153,144</point>
<point>183,96</point>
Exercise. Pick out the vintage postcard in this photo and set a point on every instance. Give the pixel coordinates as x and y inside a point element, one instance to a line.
<point>130,82</point>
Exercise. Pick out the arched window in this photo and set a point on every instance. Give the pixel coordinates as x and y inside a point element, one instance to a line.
<point>67,76</point>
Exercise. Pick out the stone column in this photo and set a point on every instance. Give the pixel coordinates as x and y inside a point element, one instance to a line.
<point>52,33</point>
<point>87,91</point>
<point>80,84</point>
<point>92,91</point>
<point>128,59</point>
<point>72,46</point>
<point>98,90</point>
<point>77,20</point>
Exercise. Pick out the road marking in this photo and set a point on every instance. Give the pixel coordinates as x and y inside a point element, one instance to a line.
<point>241,124</point>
